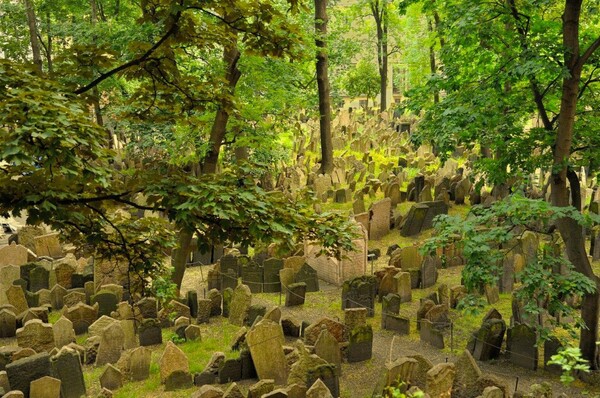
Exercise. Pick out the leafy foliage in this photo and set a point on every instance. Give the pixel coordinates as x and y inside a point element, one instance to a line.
<point>570,360</point>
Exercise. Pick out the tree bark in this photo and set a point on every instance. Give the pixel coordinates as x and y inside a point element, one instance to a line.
<point>569,229</point>
<point>323,86</point>
<point>33,37</point>
<point>231,56</point>
<point>379,11</point>
<point>432,62</point>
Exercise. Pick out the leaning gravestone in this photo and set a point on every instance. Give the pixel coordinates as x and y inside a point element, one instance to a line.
<point>295,294</point>
<point>73,298</point>
<point>112,341</point>
<point>16,298</point>
<point>66,366</point>
<point>64,273</point>
<point>485,343</point>
<point>8,323</point>
<point>111,378</point>
<point>25,370</point>
<point>240,302</point>
<point>265,341</point>
<point>308,275</point>
<point>172,360</point>
<point>328,348</point>
<point>379,224</point>
<point>8,274</point>
<point>48,245</point>
<point>440,379</point>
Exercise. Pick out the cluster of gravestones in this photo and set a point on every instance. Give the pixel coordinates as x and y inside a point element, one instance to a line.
<point>461,379</point>
<point>273,275</point>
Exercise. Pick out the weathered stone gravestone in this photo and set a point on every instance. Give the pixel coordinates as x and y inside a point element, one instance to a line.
<point>64,333</point>
<point>36,335</point>
<point>240,302</point>
<point>13,254</point>
<point>48,245</point>
<point>139,363</point>
<point>360,344</point>
<point>390,305</point>
<point>403,284</point>
<point>150,332</point>
<point>252,276</point>
<point>25,370</point>
<point>16,297</point>
<point>66,366</point>
<point>38,279</point>
<point>295,294</point>
<point>271,281</point>
<point>64,272</point>
<point>328,348</point>
<point>148,307</point>
<point>431,334</point>
<point>111,378</point>
<point>420,217</point>
<point>265,341</point>
<point>82,316</point>
<point>57,294</point>
<point>429,272</point>
<point>45,387</point>
<point>521,346</point>
<point>308,275</point>
<point>107,302</point>
<point>230,262</point>
<point>8,323</point>
<point>112,341</point>
<point>485,343</point>
<point>172,360</point>
<point>8,274</point>
<point>379,224</point>
<point>440,379</point>
<point>359,292</point>
<point>216,298</point>
<point>73,298</point>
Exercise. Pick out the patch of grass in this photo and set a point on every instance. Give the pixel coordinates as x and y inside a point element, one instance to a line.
<point>54,316</point>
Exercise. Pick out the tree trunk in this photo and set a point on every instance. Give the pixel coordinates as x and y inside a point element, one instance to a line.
<point>379,12</point>
<point>432,61</point>
<point>323,85</point>
<point>49,44</point>
<point>231,56</point>
<point>33,38</point>
<point>571,232</point>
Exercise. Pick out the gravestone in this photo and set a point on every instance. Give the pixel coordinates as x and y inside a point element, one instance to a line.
<point>82,316</point>
<point>192,333</point>
<point>204,310</point>
<point>139,363</point>
<point>63,331</point>
<point>192,302</point>
<point>172,360</point>
<point>404,286</point>
<point>430,334</point>
<point>328,348</point>
<point>150,332</point>
<point>38,279</point>
<point>271,268</point>
<point>148,307</point>
<point>73,298</point>
<point>45,387</point>
<point>13,254</point>
<point>25,370</point>
<point>112,341</point>
<point>379,224</point>
<point>485,344</point>
<point>360,292</point>
<point>398,324</point>
<point>36,335</point>
<point>230,370</point>
<point>16,297</point>
<point>440,379</point>
<point>8,274</point>
<point>8,323</point>
<point>230,262</point>
<point>240,302</point>
<point>252,276</point>
<point>48,245</point>
<point>227,296</point>
<point>521,343</point>
<point>64,273</point>
<point>295,294</point>
<point>107,302</point>
<point>360,344</point>
<point>390,305</point>
<point>402,370</point>
<point>308,275</point>
<point>429,273</point>
<point>507,278</point>
<point>111,378</point>
<point>318,390</point>
<point>57,294</point>
<point>215,298</point>
<point>265,341</point>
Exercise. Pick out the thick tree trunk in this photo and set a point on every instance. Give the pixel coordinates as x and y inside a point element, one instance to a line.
<point>379,12</point>
<point>571,232</point>
<point>432,62</point>
<point>323,85</point>
<point>180,255</point>
<point>33,37</point>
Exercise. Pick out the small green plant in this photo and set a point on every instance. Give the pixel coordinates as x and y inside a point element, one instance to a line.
<point>570,360</point>
<point>398,390</point>
<point>471,304</point>
<point>178,339</point>
<point>163,289</point>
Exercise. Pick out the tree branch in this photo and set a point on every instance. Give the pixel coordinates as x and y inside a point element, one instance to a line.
<point>587,54</point>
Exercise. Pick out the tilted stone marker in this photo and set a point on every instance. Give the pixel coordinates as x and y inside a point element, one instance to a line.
<point>265,341</point>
